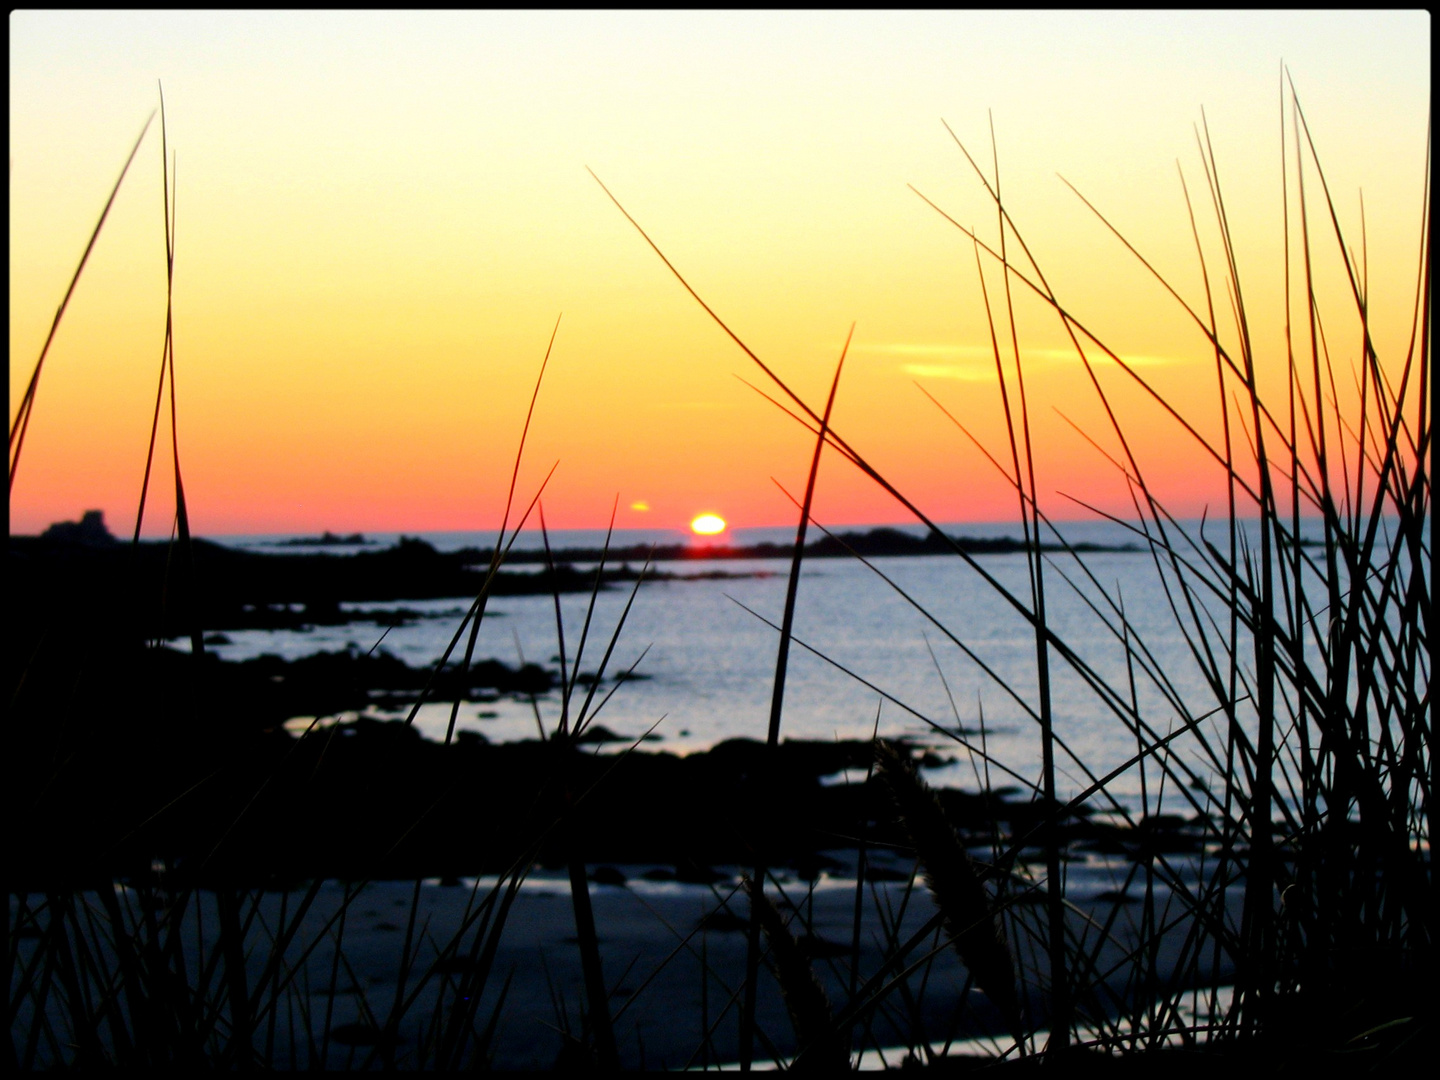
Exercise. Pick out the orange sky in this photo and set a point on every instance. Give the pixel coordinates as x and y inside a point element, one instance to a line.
<point>380,218</point>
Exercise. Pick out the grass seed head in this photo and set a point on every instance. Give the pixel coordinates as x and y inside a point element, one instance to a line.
<point>952,879</point>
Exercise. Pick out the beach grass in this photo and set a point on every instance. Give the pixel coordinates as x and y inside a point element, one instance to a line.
<point>1316,650</point>
<point>1278,902</point>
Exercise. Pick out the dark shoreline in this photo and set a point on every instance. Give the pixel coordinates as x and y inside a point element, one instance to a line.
<point>154,753</point>
<point>371,799</point>
<point>881,542</point>
<point>228,588</point>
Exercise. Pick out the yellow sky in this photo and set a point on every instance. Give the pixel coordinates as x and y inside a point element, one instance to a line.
<point>380,217</point>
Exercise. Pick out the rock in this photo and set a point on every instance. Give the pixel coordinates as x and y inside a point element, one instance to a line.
<point>90,530</point>
<point>607,875</point>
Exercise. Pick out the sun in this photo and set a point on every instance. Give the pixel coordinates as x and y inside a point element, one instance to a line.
<point>708,525</point>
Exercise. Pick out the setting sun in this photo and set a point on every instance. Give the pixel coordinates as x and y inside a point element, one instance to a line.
<point>708,525</point>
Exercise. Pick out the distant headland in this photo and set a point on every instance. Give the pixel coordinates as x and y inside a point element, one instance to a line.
<point>872,543</point>
<point>328,539</point>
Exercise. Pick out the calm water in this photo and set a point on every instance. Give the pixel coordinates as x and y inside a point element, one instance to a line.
<point>709,664</point>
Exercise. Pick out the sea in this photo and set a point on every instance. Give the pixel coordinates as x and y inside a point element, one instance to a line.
<point>934,649</point>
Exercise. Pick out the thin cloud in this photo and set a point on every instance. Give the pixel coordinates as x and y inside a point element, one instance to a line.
<point>915,349</point>
<point>975,363</point>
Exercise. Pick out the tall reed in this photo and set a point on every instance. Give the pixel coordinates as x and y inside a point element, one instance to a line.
<point>1312,891</point>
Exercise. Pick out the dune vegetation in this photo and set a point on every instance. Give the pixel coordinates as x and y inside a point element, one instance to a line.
<point>1279,904</point>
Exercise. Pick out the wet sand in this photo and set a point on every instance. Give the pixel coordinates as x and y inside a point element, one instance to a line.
<point>653,935</point>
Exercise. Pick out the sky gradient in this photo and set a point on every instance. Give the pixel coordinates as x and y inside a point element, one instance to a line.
<point>381,216</point>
